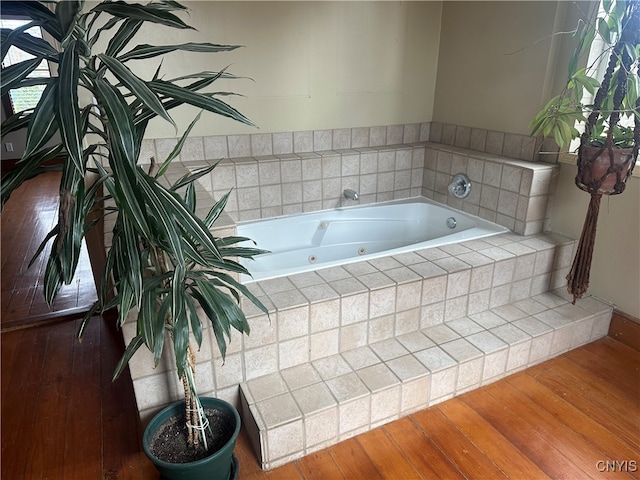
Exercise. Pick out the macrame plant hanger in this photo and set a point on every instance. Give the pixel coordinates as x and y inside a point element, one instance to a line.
<point>578,277</point>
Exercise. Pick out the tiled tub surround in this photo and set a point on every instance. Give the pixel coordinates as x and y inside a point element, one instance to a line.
<point>409,330</point>
<point>286,173</point>
<point>511,193</point>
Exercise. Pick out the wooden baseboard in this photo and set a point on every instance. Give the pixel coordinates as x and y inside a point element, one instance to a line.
<point>625,329</point>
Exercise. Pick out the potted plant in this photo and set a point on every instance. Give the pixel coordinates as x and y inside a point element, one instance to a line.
<point>610,122</point>
<point>164,265</point>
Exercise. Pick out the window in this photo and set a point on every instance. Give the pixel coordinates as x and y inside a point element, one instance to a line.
<point>24,98</point>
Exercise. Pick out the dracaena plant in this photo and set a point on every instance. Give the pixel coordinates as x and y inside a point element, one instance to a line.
<point>615,98</point>
<point>164,264</point>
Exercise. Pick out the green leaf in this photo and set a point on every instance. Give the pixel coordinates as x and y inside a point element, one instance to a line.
<point>27,43</point>
<point>134,268</point>
<point>156,205</point>
<point>180,336</point>
<point>66,14</point>
<point>242,252</point>
<point>173,209</point>
<point>85,320</point>
<point>184,95</point>
<point>67,111</point>
<point>29,167</point>
<point>208,76</point>
<point>120,120</point>
<point>190,198</point>
<point>220,327</point>
<point>112,22</point>
<point>14,74</point>
<point>123,36</point>
<point>216,210</point>
<point>42,125</point>
<point>243,289</point>
<point>126,193</point>
<point>149,51</point>
<point>126,302</point>
<point>132,348</point>
<point>170,5</point>
<point>145,13</point>
<point>177,149</point>
<point>196,324</point>
<point>36,11</point>
<point>136,86</point>
<point>191,177</point>
<point>52,279</point>
<point>15,122</point>
<point>43,244</point>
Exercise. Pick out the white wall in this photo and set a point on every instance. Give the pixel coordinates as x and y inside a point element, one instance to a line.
<point>492,66</point>
<point>615,271</point>
<point>314,65</point>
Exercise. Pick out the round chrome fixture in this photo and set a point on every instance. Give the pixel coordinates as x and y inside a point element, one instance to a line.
<point>460,187</point>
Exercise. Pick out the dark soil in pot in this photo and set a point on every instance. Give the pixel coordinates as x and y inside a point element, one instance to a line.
<point>170,441</point>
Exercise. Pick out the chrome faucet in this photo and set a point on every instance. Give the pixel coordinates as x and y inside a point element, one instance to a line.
<point>460,187</point>
<point>350,194</point>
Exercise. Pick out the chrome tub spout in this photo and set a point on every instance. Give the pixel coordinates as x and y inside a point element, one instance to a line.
<point>350,194</point>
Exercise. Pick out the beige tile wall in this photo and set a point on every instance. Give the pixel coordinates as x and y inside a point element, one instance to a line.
<point>512,193</point>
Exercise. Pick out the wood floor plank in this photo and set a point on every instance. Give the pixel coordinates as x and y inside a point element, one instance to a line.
<point>353,461</point>
<point>247,458</point>
<point>19,400</point>
<point>288,471</point>
<point>83,452</point>
<point>519,432</point>
<point>466,457</point>
<point>566,441</point>
<point>121,457</point>
<point>494,445</point>
<point>319,466</point>
<point>420,450</point>
<point>9,358</point>
<point>620,370</point>
<point>591,397</point>
<point>386,456</point>
<point>610,445</point>
<point>625,329</point>
<point>51,413</point>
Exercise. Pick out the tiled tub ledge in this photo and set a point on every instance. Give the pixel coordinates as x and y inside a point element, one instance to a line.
<point>351,348</point>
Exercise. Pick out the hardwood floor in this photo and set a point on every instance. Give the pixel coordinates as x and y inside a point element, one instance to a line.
<point>30,213</point>
<point>63,418</point>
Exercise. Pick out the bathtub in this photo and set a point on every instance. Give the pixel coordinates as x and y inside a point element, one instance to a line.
<point>310,241</point>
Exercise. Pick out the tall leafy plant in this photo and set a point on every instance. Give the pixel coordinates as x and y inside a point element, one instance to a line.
<point>164,264</point>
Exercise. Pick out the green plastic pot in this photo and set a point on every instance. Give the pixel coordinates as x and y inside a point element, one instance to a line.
<point>222,465</point>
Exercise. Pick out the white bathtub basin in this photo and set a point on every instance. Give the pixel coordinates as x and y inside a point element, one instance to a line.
<point>309,241</point>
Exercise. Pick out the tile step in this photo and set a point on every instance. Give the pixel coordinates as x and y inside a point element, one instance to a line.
<point>302,409</point>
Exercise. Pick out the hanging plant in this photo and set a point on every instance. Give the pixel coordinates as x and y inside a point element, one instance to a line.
<point>610,125</point>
